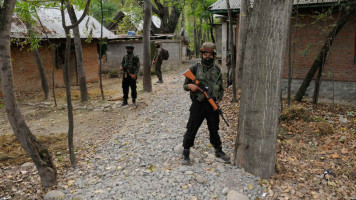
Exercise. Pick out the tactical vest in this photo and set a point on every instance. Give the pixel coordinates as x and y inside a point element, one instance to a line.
<point>130,64</point>
<point>209,77</point>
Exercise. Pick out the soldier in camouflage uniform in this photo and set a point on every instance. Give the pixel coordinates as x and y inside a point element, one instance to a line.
<point>210,75</point>
<point>130,65</point>
<point>157,61</point>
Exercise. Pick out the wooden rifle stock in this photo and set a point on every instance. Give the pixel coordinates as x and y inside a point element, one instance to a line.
<point>189,74</point>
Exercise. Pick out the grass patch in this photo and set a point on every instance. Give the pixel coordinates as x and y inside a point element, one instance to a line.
<point>295,113</point>
<point>11,152</point>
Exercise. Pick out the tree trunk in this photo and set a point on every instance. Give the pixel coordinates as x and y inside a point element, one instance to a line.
<point>289,67</point>
<point>243,25</point>
<point>317,85</point>
<point>42,73</point>
<point>212,29</point>
<point>200,33</point>
<point>79,55</point>
<point>147,82</point>
<point>53,86</point>
<point>232,53</point>
<point>39,154</point>
<point>69,99</point>
<point>196,48</point>
<point>255,148</point>
<point>66,78</point>
<point>169,15</point>
<point>320,59</point>
<point>100,50</point>
<point>38,61</point>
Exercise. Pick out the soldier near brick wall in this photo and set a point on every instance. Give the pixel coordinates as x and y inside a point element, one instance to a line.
<point>157,61</point>
<point>210,75</point>
<point>130,66</point>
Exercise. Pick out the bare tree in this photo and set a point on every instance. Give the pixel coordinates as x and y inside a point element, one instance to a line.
<point>243,25</point>
<point>147,82</point>
<point>66,78</point>
<point>78,54</point>
<point>255,148</point>
<point>39,154</point>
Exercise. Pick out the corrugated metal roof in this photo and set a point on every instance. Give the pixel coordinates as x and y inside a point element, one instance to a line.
<point>52,25</point>
<point>235,4</point>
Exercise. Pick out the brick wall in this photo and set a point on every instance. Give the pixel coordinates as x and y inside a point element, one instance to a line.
<point>307,41</point>
<point>25,70</point>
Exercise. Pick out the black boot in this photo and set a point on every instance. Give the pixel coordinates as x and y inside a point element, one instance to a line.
<point>134,102</point>
<point>186,159</point>
<point>220,154</point>
<point>124,103</point>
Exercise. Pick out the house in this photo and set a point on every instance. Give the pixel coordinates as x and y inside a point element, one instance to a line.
<point>116,47</point>
<point>308,34</point>
<point>52,45</point>
<point>116,51</point>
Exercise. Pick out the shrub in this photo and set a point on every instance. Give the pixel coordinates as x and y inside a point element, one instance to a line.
<point>113,74</point>
<point>293,113</point>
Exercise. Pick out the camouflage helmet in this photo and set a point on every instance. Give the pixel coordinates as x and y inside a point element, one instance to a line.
<point>129,47</point>
<point>208,47</point>
<point>158,43</point>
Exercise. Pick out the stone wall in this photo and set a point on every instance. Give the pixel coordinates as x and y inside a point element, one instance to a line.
<point>116,51</point>
<point>342,91</point>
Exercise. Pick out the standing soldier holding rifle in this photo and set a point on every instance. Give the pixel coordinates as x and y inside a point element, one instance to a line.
<point>204,81</point>
<point>130,65</point>
<point>157,61</point>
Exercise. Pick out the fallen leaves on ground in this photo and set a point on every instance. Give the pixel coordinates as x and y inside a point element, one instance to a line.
<point>311,140</point>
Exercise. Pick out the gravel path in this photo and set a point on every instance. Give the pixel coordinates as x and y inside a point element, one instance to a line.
<point>142,161</point>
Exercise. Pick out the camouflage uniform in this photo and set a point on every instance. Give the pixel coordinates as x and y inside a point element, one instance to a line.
<point>201,109</point>
<point>158,54</point>
<point>131,65</point>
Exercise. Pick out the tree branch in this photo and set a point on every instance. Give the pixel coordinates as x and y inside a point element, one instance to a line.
<point>155,10</point>
<point>159,5</point>
<point>79,20</point>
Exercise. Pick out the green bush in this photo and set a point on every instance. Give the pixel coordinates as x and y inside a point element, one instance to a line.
<point>114,74</point>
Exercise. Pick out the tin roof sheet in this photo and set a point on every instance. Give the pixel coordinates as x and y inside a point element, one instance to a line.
<point>235,4</point>
<point>52,25</point>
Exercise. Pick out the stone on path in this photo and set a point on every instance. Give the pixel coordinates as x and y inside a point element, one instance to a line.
<point>193,153</point>
<point>28,165</point>
<point>54,195</point>
<point>200,179</point>
<point>233,195</point>
<point>225,190</point>
<point>220,167</point>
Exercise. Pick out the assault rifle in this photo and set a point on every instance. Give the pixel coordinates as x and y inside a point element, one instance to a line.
<point>189,74</point>
<point>126,71</point>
